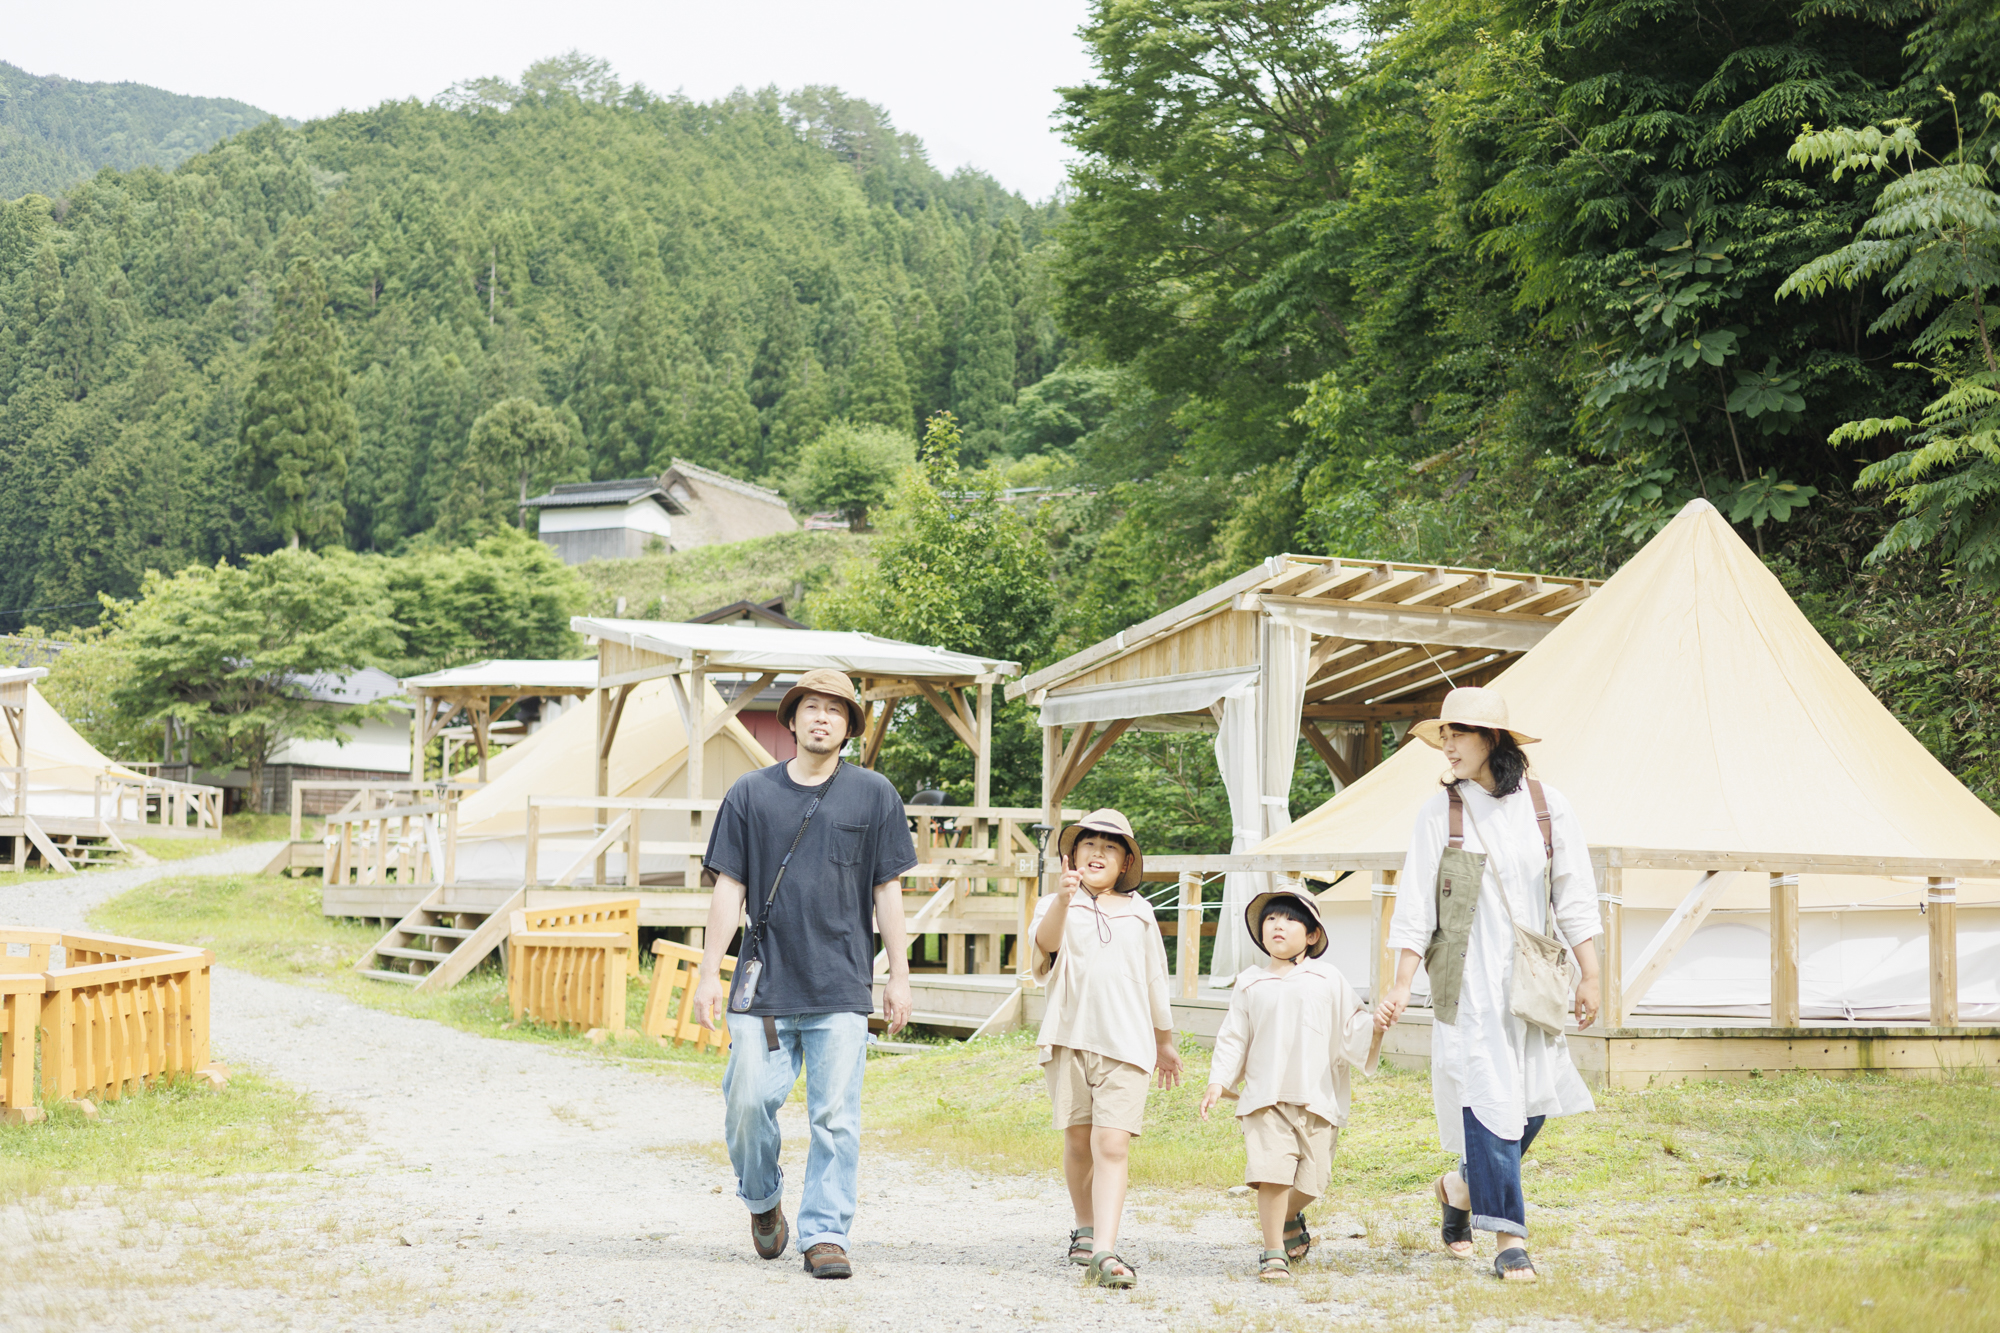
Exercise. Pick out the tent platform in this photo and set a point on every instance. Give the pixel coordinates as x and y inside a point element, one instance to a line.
<point>392,901</point>
<point>1659,1049</point>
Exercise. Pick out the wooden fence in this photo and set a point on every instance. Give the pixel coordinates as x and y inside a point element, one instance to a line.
<point>676,967</point>
<point>567,966</point>
<point>397,843</point>
<point>164,807</point>
<point>117,1012</point>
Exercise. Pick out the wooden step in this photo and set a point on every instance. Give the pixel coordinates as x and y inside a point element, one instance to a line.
<point>405,978</point>
<point>421,955</point>
<point>443,932</point>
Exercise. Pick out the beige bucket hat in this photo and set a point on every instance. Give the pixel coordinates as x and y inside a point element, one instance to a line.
<point>1469,706</point>
<point>1107,821</point>
<point>1253,917</point>
<point>834,685</point>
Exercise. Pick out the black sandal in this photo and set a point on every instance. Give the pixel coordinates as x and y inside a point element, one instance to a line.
<point>1511,1261</point>
<point>1298,1241</point>
<point>1457,1228</point>
<point>1080,1245</point>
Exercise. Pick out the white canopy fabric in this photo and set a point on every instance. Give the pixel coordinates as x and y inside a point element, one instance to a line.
<point>1689,706</point>
<point>560,760</point>
<point>512,675</point>
<point>770,648</point>
<point>1190,693</point>
<point>59,758</point>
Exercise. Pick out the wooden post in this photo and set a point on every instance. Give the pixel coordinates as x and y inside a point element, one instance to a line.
<point>632,850</point>
<point>1941,906</point>
<point>531,870</point>
<point>1187,945</point>
<point>1611,950</point>
<point>1784,951</point>
<point>697,786</point>
<point>982,766</point>
<point>417,718</point>
<point>986,953</point>
<point>1381,911</point>
<point>298,812</point>
<point>450,875</point>
<point>1051,807</point>
<point>954,957</point>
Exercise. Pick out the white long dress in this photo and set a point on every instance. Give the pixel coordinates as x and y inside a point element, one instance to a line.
<point>1489,1060</point>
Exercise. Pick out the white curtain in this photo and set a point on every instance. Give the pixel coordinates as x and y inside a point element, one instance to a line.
<point>1256,746</point>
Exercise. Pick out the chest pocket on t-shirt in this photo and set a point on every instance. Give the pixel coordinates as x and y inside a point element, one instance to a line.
<point>849,840</point>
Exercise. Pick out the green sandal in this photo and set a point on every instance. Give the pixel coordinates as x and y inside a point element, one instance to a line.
<point>1273,1267</point>
<point>1108,1270</point>
<point>1298,1241</point>
<point>1079,1245</point>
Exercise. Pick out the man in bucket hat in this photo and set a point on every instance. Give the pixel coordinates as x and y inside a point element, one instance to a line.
<point>817,849</point>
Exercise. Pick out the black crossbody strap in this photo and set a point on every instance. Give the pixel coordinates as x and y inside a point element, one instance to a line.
<point>763,917</point>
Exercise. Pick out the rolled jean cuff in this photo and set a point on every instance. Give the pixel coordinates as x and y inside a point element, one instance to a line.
<point>1505,1226</point>
<point>766,1205</point>
<point>824,1238</point>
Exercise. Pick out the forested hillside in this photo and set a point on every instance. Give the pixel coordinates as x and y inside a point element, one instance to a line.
<point>55,132</point>
<point>709,281</point>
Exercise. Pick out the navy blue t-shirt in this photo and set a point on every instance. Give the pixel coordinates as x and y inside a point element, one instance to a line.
<point>819,946</point>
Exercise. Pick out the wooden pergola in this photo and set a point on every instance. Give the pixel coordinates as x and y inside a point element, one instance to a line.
<point>957,686</point>
<point>1298,646</point>
<point>484,692</point>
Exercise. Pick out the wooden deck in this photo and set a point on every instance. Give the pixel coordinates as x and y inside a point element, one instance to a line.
<point>1664,1050</point>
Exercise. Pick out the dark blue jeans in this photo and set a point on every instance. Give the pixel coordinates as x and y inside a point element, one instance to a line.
<point>1491,1169</point>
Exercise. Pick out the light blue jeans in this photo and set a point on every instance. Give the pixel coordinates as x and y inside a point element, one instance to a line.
<point>833,1048</point>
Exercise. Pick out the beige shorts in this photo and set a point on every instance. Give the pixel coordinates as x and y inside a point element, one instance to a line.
<point>1096,1090</point>
<point>1288,1145</point>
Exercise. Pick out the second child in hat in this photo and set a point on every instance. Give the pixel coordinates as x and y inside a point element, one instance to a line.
<point>1294,1030</point>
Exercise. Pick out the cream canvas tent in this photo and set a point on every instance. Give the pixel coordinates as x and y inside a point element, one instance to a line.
<point>560,760</point>
<point>63,767</point>
<point>1693,717</point>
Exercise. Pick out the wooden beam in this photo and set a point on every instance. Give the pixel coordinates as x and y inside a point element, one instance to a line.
<point>1611,951</point>
<point>960,727</point>
<point>1322,653</point>
<point>982,756</point>
<point>1784,951</point>
<point>1381,913</point>
<point>1941,908</point>
<point>1678,930</point>
<point>1187,948</point>
<point>1415,711</point>
<point>1328,755</point>
<point>1078,739</point>
<point>878,730</point>
<point>1088,759</point>
<point>736,705</point>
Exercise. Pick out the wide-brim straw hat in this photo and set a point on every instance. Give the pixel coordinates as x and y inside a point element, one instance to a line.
<point>1253,917</point>
<point>834,685</point>
<point>1107,821</point>
<point>1469,706</point>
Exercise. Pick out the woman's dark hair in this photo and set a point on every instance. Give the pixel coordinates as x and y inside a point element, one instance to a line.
<point>1506,760</point>
<point>1288,907</point>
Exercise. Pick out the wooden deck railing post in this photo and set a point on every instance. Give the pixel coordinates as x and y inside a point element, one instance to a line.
<point>1784,951</point>
<point>1941,907</point>
<point>1611,950</point>
<point>1187,945</point>
<point>1381,911</point>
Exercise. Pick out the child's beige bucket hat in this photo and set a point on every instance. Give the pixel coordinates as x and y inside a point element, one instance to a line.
<point>1107,821</point>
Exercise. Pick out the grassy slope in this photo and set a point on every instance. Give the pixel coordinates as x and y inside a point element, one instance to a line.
<point>687,583</point>
<point>1784,1202</point>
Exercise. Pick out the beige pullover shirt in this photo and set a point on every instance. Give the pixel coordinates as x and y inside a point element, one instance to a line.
<point>1108,982</point>
<point>1291,1039</point>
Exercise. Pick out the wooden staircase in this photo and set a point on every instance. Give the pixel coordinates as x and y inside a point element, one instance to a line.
<point>443,937</point>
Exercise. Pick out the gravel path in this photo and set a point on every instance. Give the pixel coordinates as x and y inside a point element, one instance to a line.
<point>473,1183</point>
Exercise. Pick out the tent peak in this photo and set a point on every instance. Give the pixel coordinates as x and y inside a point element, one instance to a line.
<point>1698,505</point>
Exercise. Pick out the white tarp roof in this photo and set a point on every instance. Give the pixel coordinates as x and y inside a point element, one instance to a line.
<point>1189,693</point>
<point>770,648</point>
<point>1689,705</point>
<point>58,756</point>
<point>512,675</point>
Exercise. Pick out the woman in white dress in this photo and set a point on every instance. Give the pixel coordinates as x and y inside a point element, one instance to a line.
<point>1495,1078</point>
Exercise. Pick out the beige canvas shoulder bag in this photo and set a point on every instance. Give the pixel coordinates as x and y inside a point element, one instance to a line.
<point>1545,976</point>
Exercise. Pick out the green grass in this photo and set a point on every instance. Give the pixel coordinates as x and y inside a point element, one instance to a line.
<point>236,831</point>
<point>178,1129</point>
<point>1686,1206</point>
<point>271,925</point>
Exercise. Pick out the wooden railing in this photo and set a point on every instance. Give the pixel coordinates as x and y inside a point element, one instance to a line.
<point>176,809</point>
<point>398,843</point>
<point>676,969</point>
<point>118,1012</point>
<point>570,977</point>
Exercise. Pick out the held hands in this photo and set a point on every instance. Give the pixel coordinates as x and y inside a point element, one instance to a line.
<point>1394,1001</point>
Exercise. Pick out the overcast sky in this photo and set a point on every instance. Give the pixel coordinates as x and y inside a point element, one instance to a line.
<point>975,81</point>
